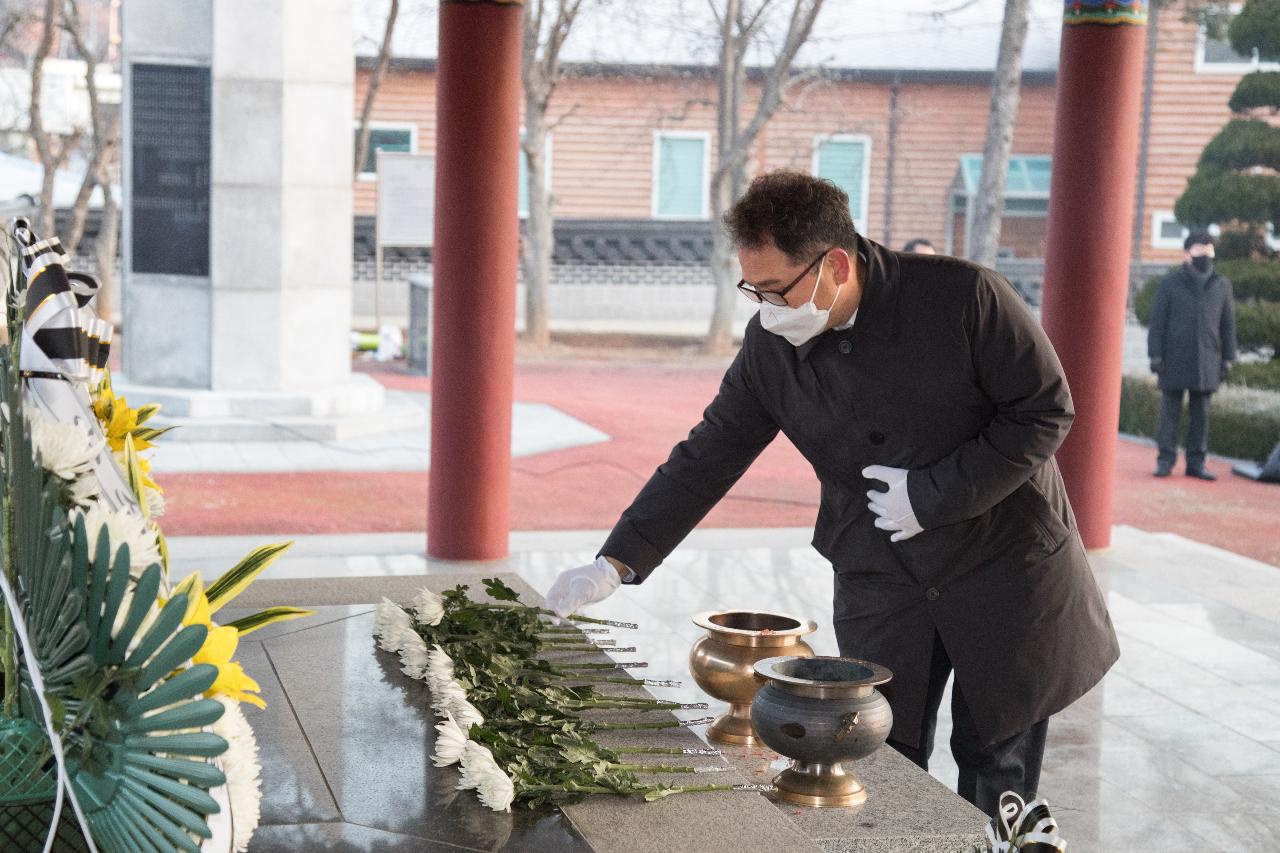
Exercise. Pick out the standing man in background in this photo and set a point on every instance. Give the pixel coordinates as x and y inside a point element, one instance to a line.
<point>1191,344</point>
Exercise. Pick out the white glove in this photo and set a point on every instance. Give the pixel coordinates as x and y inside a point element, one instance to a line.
<point>894,506</point>
<point>576,588</point>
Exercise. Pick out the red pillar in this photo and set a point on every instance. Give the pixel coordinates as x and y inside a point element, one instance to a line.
<point>474,260</point>
<point>1095,155</point>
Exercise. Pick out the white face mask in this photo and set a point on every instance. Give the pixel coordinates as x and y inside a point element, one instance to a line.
<point>798,325</point>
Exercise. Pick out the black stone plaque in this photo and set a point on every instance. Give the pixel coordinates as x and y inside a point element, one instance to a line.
<point>171,125</point>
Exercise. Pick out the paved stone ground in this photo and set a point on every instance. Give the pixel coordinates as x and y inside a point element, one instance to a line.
<point>1177,750</point>
<point>645,402</point>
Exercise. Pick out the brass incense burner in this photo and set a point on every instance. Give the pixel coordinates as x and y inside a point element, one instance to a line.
<point>722,663</point>
<point>819,712</point>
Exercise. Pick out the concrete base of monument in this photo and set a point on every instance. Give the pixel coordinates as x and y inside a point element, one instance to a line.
<point>359,407</point>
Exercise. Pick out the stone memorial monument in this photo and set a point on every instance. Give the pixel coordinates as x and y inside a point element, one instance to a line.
<point>238,220</point>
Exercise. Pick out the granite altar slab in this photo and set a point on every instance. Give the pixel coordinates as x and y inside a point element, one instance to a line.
<point>346,743</point>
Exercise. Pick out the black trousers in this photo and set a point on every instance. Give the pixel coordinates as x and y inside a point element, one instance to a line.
<point>1197,427</point>
<point>986,772</point>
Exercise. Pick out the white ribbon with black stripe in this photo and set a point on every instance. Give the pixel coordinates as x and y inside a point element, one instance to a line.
<point>64,347</point>
<point>1022,827</point>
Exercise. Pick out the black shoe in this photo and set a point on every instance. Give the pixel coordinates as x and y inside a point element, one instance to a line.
<point>1163,471</point>
<point>1201,474</point>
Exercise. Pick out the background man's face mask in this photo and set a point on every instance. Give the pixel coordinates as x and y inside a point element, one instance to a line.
<point>798,325</point>
<point>1201,263</point>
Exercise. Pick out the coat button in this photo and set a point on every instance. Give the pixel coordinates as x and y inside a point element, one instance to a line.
<point>845,347</point>
<point>876,437</point>
<point>932,594</point>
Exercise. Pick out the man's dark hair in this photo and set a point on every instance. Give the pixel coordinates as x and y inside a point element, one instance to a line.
<point>1198,238</point>
<point>912,245</point>
<point>800,214</point>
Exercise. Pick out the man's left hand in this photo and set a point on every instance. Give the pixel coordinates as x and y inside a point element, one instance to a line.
<point>894,506</point>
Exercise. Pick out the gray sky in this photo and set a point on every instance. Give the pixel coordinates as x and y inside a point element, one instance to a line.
<point>933,34</point>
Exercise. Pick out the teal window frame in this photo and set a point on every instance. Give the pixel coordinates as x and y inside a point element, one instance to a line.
<point>857,204</point>
<point>376,127</point>
<point>660,169</point>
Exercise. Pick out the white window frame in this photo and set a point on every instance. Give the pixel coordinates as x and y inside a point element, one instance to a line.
<point>1161,217</point>
<point>412,127</point>
<point>859,224</point>
<point>546,179</point>
<point>1231,68</point>
<point>705,136</point>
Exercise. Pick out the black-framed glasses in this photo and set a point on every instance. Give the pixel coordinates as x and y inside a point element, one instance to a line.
<point>777,297</point>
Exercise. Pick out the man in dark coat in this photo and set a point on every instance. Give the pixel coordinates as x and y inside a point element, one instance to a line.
<point>1191,344</point>
<point>930,376</point>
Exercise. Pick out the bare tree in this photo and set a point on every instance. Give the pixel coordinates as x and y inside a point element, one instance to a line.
<point>375,81</point>
<point>988,206</point>
<point>547,24</point>
<point>740,24</point>
<point>51,151</point>
<point>103,141</point>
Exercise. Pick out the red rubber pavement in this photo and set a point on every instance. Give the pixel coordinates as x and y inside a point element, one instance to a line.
<point>646,407</point>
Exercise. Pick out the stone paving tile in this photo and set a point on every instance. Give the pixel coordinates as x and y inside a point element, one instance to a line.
<point>1178,745</point>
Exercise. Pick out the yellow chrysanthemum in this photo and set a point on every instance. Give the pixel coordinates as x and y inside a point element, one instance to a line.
<point>219,648</point>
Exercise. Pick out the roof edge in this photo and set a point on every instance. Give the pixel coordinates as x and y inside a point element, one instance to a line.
<point>968,76</point>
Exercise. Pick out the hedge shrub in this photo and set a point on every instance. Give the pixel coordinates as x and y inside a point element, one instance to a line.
<point>1243,422</point>
<point>1257,374</point>
<point>1258,325</point>
<point>1252,279</point>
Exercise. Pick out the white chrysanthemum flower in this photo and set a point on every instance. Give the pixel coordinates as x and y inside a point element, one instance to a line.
<point>496,790</point>
<point>481,772</point>
<point>123,528</point>
<point>244,774</point>
<point>446,696</point>
<point>439,666</point>
<point>472,764</point>
<point>391,625</point>
<point>414,656</point>
<point>66,450</point>
<point>467,715</point>
<point>85,490</point>
<point>428,607</point>
<point>450,741</point>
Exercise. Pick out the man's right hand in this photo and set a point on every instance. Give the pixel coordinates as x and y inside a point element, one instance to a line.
<point>1157,365</point>
<point>576,588</point>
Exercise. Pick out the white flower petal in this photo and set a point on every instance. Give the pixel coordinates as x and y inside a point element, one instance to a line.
<point>450,742</point>
<point>446,696</point>
<point>66,450</point>
<point>467,714</point>
<point>244,774</point>
<point>391,625</point>
<point>414,657</point>
<point>492,784</point>
<point>428,607</point>
<point>123,528</point>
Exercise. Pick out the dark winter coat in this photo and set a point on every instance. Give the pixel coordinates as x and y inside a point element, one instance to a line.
<point>1193,330</point>
<point>948,374</point>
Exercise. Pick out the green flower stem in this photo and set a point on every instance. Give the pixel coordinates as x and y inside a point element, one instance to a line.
<point>663,750</point>
<point>660,724</point>
<point>655,768</point>
<point>573,618</point>
<point>593,679</point>
<point>630,665</point>
<point>584,647</point>
<point>619,705</point>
